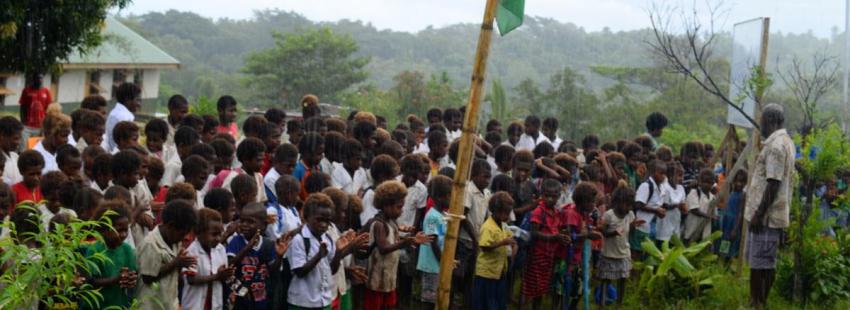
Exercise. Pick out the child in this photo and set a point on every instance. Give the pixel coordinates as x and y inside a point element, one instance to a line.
<point>312,148</point>
<point>497,244</point>
<point>515,131</point>
<point>545,224</point>
<point>438,146</point>
<point>417,194</point>
<point>384,168</point>
<point>30,164</point>
<point>125,171</point>
<point>649,203</point>
<point>577,222</point>
<point>210,128</point>
<point>503,156</point>
<point>160,260</point>
<point>69,162</point>
<point>196,171</point>
<point>698,222</point>
<point>475,210</point>
<point>285,156</point>
<point>126,135</point>
<point>250,154</point>
<point>224,152</point>
<point>56,129</point>
<point>157,132</point>
<point>227,115</point>
<point>434,225</point>
<point>732,217</point>
<point>615,261</point>
<point>385,233</point>
<point>550,131</point>
<point>101,173</point>
<point>178,107</point>
<point>314,257</point>
<point>452,120</point>
<point>116,277</point>
<point>675,205</point>
<point>349,175</point>
<point>244,191</point>
<point>91,126</point>
<point>285,215</point>
<point>526,191</point>
<point>203,282</point>
<point>88,155</point>
<point>532,136</point>
<point>221,200</point>
<point>294,131</point>
<point>10,140</point>
<point>184,139</point>
<point>52,206</point>
<point>86,202</point>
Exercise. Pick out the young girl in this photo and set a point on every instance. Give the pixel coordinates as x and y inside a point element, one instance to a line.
<point>675,204</point>
<point>578,222</point>
<point>385,233</point>
<point>732,217</point>
<point>497,245</point>
<point>203,281</point>
<point>545,223</point>
<point>117,276</point>
<point>434,225</point>
<point>699,200</point>
<point>615,262</point>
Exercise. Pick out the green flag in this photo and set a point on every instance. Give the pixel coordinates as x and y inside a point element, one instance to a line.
<point>509,15</point>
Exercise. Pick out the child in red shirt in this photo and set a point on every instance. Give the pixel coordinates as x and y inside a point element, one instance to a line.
<point>30,164</point>
<point>579,225</point>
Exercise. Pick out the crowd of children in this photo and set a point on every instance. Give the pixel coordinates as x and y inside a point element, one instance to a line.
<point>325,212</point>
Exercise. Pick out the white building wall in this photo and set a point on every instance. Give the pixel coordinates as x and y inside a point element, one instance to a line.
<point>72,86</point>
<point>106,83</point>
<point>150,84</point>
<point>16,84</point>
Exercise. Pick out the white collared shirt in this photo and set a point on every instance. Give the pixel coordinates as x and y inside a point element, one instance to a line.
<point>417,198</point>
<point>369,210</point>
<point>194,296</point>
<point>172,171</point>
<point>11,174</point>
<point>288,220</point>
<point>653,202</point>
<point>342,180</point>
<point>453,135</point>
<point>47,215</point>
<point>475,201</point>
<point>49,159</point>
<point>270,179</point>
<point>317,288</point>
<point>527,142</point>
<point>118,114</point>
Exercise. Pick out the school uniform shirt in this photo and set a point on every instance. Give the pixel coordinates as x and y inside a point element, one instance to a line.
<point>172,171</point>
<point>196,296</point>
<point>119,113</point>
<point>341,285</point>
<point>653,202</point>
<point>258,178</point>
<point>369,210</point>
<point>11,174</point>
<point>253,270</point>
<point>618,246</point>
<point>49,159</point>
<point>93,185</point>
<point>435,224</point>
<point>417,198</point>
<point>141,197</point>
<point>527,142</point>
<point>453,135</point>
<point>80,144</point>
<point>556,142</point>
<point>269,181</point>
<point>475,201</point>
<point>316,289</point>
<point>46,215</point>
<point>287,220</point>
<point>326,166</point>
<point>422,147</point>
<point>167,152</point>
<point>340,178</point>
<point>152,254</point>
<point>169,139</point>
<point>671,224</point>
<point>698,200</point>
<point>493,264</point>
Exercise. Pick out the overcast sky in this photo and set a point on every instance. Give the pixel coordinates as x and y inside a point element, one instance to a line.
<point>413,15</point>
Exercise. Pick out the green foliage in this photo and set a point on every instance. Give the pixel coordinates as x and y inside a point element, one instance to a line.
<point>370,98</point>
<point>676,272</point>
<point>316,61</point>
<point>204,106</point>
<point>49,273</point>
<point>832,153</point>
<point>498,98</point>
<point>678,134</point>
<point>58,29</point>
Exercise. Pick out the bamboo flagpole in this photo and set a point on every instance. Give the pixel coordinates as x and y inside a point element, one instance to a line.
<point>470,124</point>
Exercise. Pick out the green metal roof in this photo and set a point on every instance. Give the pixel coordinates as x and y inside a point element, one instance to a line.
<point>122,47</point>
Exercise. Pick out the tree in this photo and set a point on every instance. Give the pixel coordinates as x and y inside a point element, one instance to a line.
<point>409,91</point>
<point>36,35</point>
<point>499,102</point>
<point>810,86</point>
<point>315,61</point>
<point>571,102</point>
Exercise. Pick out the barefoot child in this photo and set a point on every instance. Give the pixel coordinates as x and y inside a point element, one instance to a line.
<point>202,288</point>
<point>615,263</point>
<point>497,245</point>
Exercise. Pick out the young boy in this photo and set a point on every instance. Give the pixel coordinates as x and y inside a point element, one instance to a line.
<point>271,138</point>
<point>202,287</point>
<point>285,156</point>
<point>129,102</point>
<point>532,137</point>
<point>384,168</point>
<point>126,136</point>
<point>294,131</point>
<point>244,191</point>
<point>159,140</point>
<point>221,200</point>
<point>69,162</point>
<point>475,210</point>
<point>195,171</point>
<point>254,259</point>
<point>184,139</point>
<point>210,128</point>
<point>117,276</point>
<point>497,244</point>
<point>160,259</point>
<point>452,119</point>
<point>649,201</point>
<point>417,194</point>
<point>314,257</point>
<point>88,156</point>
<point>434,225</point>
<point>284,213</point>
<point>577,221</point>
<point>126,166</point>
<point>349,176</point>
<point>550,131</point>
<point>387,240</point>
<point>699,200</point>
<point>10,140</point>
<point>30,164</point>
<point>101,171</point>
<point>178,107</point>
<point>503,156</point>
<point>312,149</point>
<point>91,127</point>
<point>50,184</point>
<point>526,191</point>
<point>250,154</point>
<point>227,115</point>
<point>438,149</point>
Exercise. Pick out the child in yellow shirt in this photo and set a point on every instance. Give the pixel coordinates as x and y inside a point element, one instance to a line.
<point>497,245</point>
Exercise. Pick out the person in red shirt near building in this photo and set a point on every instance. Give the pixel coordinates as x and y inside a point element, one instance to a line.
<point>34,101</point>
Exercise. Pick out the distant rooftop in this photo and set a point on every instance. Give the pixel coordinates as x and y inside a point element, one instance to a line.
<point>122,48</point>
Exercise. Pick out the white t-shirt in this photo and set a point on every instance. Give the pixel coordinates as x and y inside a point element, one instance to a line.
<point>11,174</point>
<point>655,201</point>
<point>194,296</point>
<point>270,179</point>
<point>369,210</point>
<point>118,114</point>
<point>417,198</point>
<point>671,223</point>
<point>287,220</point>
<point>49,159</point>
<point>344,181</point>
<point>317,288</point>
<point>527,142</point>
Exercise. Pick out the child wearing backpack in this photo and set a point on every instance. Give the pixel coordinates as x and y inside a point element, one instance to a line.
<point>649,202</point>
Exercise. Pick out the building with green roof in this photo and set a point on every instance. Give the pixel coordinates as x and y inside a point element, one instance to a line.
<point>125,56</point>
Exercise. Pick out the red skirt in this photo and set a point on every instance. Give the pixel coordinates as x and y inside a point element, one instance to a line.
<point>537,280</point>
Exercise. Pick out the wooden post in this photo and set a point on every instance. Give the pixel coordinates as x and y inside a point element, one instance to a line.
<point>465,152</point>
